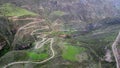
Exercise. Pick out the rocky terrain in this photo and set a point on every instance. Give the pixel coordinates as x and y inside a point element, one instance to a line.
<point>58,33</point>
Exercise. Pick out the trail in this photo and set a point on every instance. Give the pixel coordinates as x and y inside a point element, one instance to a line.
<point>23,62</point>
<point>14,18</point>
<point>25,27</point>
<point>116,50</point>
<point>38,45</point>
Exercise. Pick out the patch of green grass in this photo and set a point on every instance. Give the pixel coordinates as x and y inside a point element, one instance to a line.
<point>56,33</point>
<point>58,13</point>
<point>70,52</point>
<point>35,56</point>
<point>11,10</point>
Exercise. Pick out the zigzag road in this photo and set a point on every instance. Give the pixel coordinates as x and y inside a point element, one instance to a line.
<point>38,45</point>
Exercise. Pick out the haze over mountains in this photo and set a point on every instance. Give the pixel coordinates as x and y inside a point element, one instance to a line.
<point>85,10</point>
<point>81,33</point>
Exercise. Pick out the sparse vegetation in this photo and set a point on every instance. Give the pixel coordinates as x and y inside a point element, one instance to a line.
<point>67,33</point>
<point>58,13</point>
<point>11,10</point>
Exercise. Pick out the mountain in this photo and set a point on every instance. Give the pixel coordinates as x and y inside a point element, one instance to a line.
<point>58,33</point>
<point>85,10</point>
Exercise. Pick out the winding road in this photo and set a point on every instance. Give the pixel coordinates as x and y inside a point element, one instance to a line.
<point>38,45</point>
<point>116,50</point>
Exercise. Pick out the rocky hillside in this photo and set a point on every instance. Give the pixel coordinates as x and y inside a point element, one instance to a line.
<point>85,10</point>
<point>72,33</point>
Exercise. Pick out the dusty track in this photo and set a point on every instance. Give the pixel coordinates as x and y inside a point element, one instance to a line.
<point>116,50</point>
<point>38,45</point>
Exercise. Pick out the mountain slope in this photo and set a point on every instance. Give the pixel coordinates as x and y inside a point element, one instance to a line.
<point>11,10</point>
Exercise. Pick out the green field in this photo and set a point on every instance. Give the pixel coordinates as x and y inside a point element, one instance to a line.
<point>11,10</point>
<point>70,52</point>
<point>35,56</point>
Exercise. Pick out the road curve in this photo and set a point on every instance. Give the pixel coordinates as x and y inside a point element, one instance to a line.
<point>23,62</point>
<point>115,50</point>
<point>38,45</point>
